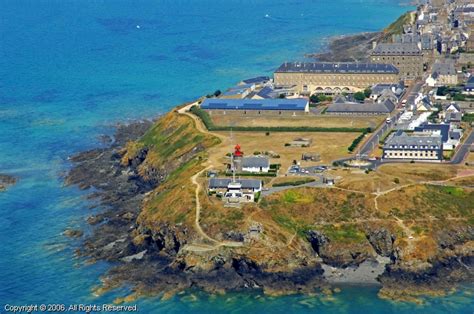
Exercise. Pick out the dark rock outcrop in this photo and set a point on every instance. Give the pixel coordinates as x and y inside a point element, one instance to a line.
<point>382,241</point>
<point>317,240</point>
<point>338,255</point>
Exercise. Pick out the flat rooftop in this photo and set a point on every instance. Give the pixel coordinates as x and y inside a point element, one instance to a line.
<point>333,67</point>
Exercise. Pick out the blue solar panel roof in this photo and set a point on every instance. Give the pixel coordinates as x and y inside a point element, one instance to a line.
<point>255,104</point>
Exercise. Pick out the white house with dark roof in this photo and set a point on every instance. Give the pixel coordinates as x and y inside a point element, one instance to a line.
<point>255,164</point>
<point>422,103</point>
<point>415,146</point>
<point>238,191</point>
<point>442,73</point>
<point>452,107</point>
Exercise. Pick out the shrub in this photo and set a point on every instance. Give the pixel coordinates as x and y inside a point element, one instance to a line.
<point>468,117</point>
<point>359,96</point>
<point>257,197</point>
<point>249,174</point>
<point>459,97</point>
<point>294,183</point>
<point>367,92</point>
<point>356,142</point>
<point>396,181</point>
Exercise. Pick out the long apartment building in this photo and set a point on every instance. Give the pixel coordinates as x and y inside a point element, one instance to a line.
<point>334,78</point>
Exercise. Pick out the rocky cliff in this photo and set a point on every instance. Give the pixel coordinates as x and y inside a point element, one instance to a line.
<point>147,226</point>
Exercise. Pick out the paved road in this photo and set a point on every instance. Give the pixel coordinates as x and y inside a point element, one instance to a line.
<point>412,93</point>
<point>317,183</point>
<point>376,136</point>
<point>463,150</point>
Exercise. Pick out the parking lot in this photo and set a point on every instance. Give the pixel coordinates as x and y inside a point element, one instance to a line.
<point>313,170</point>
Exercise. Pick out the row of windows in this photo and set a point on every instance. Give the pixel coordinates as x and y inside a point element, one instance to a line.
<point>405,154</point>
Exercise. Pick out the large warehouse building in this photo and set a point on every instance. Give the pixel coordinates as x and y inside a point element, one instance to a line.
<point>296,106</point>
<point>334,78</point>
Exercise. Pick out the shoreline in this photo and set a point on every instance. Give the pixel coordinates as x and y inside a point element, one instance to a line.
<point>346,48</point>
<point>153,262</point>
<point>159,266</point>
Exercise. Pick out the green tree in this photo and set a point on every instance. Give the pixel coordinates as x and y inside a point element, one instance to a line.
<point>442,91</point>
<point>459,97</point>
<point>314,99</point>
<point>359,96</point>
<point>367,92</point>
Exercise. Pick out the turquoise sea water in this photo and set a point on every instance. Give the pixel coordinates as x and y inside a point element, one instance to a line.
<point>70,69</point>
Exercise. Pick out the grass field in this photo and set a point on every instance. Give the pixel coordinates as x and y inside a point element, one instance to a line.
<point>392,175</point>
<point>325,121</point>
<point>330,146</point>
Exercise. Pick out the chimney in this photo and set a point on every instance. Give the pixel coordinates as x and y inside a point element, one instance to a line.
<point>374,44</point>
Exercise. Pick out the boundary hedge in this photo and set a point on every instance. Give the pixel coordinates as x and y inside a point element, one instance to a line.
<point>356,142</point>
<point>293,183</point>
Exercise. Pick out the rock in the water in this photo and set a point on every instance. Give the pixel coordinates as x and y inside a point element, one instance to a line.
<point>72,233</point>
<point>6,181</point>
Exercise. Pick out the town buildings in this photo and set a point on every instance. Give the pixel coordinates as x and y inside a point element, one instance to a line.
<point>382,92</point>
<point>450,133</point>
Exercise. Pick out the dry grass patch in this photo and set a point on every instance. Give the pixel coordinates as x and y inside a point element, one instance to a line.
<point>374,181</point>
<point>329,146</point>
<point>324,121</point>
<point>420,172</point>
